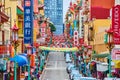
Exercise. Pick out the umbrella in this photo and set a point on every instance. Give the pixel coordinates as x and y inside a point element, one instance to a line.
<point>21,59</point>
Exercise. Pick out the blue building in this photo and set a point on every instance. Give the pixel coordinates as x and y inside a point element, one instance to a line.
<point>54,10</point>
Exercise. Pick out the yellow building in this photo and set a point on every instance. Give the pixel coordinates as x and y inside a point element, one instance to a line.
<point>98,31</point>
<point>86,33</point>
<point>16,14</point>
<point>100,25</point>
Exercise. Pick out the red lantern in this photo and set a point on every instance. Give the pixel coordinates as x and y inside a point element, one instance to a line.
<point>15,33</point>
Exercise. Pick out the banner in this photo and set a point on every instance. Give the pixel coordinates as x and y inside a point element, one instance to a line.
<point>116,24</point>
<point>115,54</point>
<point>28,22</point>
<point>59,49</point>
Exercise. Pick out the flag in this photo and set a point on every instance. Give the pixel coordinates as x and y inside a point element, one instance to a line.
<point>12,51</point>
<point>32,60</point>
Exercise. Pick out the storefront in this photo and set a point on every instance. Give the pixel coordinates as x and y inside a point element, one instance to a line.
<point>3,65</point>
<point>22,62</point>
<point>101,68</point>
<point>117,68</point>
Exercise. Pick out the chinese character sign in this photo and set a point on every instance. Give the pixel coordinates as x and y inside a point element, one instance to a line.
<point>116,24</point>
<point>28,21</point>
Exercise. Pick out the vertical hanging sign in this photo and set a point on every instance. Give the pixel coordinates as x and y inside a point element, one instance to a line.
<point>116,24</point>
<point>28,22</point>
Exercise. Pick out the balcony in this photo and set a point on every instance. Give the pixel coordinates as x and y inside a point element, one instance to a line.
<point>3,16</point>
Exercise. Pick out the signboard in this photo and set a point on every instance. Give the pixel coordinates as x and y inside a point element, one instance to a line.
<point>3,49</point>
<point>116,24</point>
<point>81,26</point>
<point>28,22</point>
<point>75,38</point>
<point>116,54</point>
<point>102,67</point>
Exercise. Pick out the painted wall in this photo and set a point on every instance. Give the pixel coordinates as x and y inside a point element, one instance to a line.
<point>100,25</point>
<point>12,4</point>
<point>86,33</point>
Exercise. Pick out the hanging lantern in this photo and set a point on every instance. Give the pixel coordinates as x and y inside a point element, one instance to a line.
<point>29,51</point>
<point>14,33</point>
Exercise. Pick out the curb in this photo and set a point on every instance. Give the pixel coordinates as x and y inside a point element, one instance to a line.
<point>41,77</point>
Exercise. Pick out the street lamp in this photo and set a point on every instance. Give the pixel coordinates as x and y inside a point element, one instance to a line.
<point>85,54</point>
<point>89,51</point>
<point>37,53</point>
<point>14,30</point>
<point>89,57</point>
<point>110,46</point>
<point>29,51</point>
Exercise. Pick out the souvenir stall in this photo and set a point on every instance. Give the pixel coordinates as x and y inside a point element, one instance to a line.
<point>3,64</point>
<point>102,69</point>
<point>117,68</point>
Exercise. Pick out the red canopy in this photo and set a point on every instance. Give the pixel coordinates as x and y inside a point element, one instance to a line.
<point>100,13</point>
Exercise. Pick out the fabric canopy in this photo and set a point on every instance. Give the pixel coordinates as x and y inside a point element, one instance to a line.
<point>103,3</point>
<point>100,55</point>
<point>21,59</point>
<point>19,11</point>
<point>100,13</point>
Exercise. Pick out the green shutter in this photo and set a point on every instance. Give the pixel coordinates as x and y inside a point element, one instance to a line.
<point>106,38</point>
<point>19,12</point>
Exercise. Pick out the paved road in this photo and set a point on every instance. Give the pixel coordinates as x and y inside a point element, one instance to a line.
<point>55,67</point>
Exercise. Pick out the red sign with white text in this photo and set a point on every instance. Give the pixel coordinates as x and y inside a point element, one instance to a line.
<point>115,54</point>
<point>3,49</point>
<point>116,24</point>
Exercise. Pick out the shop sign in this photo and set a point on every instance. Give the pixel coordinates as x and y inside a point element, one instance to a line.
<point>3,49</point>
<point>116,24</point>
<point>116,54</point>
<point>102,67</point>
<point>81,40</point>
<point>28,21</point>
<point>76,38</point>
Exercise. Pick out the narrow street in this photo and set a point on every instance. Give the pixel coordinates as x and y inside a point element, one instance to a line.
<point>55,67</point>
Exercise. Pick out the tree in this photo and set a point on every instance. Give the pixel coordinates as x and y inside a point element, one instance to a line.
<point>52,26</point>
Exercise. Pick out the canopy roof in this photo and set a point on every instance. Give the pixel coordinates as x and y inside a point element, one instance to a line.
<point>100,55</point>
<point>21,59</point>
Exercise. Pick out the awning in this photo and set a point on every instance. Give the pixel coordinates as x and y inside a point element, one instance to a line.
<point>21,59</point>
<point>100,55</point>
<point>19,11</point>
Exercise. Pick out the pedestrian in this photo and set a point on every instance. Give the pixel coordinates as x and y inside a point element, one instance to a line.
<point>38,76</point>
<point>26,78</point>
